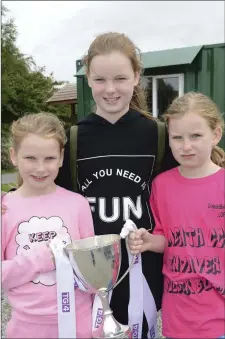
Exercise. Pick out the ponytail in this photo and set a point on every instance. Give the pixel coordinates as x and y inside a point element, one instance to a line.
<point>218,156</point>
<point>139,103</point>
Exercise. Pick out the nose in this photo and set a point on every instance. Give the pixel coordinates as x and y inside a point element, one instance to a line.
<point>40,167</point>
<point>186,145</point>
<point>110,88</point>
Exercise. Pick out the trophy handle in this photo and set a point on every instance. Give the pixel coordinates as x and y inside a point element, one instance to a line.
<point>124,275</point>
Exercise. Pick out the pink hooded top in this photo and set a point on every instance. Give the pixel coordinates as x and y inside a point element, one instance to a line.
<point>28,271</point>
<point>190,214</point>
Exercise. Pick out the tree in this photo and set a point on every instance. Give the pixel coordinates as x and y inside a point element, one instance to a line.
<point>25,87</point>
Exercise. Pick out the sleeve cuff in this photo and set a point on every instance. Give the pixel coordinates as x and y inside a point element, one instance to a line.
<point>43,258</point>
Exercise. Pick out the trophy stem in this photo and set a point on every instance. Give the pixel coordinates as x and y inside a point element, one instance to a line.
<point>104,296</point>
<point>111,327</point>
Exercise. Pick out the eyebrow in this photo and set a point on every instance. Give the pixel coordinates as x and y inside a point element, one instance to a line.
<point>102,76</point>
<point>191,132</point>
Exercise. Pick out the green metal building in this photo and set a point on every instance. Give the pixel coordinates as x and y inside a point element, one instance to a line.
<point>169,73</point>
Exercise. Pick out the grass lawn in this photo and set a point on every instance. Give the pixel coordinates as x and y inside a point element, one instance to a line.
<point>7,187</point>
<point>12,170</point>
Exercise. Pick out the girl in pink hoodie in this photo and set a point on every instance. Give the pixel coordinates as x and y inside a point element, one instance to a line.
<point>36,213</point>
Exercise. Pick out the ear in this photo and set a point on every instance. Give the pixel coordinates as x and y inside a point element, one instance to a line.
<point>61,158</point>
<point>217,135</point>
<point>89,80</point>
<point>137,78</point>
<point>13,156</point>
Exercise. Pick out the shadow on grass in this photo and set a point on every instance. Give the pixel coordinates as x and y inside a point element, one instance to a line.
<point>7,187</point>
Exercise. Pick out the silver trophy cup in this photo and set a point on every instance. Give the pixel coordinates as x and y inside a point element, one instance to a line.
<point>96,265</point>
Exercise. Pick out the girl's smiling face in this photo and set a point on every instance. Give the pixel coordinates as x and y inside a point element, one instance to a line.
<point>38,160</point>
<point>112,80</point>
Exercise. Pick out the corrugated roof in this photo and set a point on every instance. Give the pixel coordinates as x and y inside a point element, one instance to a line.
<point>169,57</point>
<point>67,93</point>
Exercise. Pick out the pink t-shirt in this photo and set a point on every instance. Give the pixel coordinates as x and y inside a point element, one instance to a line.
<point>28,272</point>
<point>190,214</point>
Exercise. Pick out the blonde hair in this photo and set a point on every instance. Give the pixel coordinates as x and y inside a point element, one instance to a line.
<point>43,124</point>
<point>207,108</point>
<point>110,42</point>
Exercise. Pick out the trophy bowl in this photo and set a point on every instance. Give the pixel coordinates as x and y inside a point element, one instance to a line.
<point>96,265</point>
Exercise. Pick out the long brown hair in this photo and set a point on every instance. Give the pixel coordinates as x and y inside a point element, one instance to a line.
<point>110,42</point>
<point>43,124</point>
<point>207,108</point>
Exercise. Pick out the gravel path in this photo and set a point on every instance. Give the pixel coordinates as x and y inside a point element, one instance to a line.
<point>6,311</point>
<point>8,178</point>
<point>5,315</point>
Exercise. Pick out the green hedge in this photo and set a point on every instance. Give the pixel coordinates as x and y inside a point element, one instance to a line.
<point>5,159</point>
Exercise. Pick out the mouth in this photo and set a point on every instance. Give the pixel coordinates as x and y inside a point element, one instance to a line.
<point>38,178</point>
<point>187,156</point>
<point>111,100</point>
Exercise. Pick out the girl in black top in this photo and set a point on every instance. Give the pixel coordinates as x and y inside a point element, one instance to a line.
<point>116,156</point>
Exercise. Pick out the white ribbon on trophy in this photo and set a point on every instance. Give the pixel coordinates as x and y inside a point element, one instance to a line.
<point>144,300</point>
<point>66,286</point>
<point>65,291</point>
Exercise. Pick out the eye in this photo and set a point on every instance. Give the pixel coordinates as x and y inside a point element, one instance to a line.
<point>98,80</point>
<point>30,158</point>
<point>195,135</point>
<point>50,158</point>
<point>121,78</point>
<point>176,137</point>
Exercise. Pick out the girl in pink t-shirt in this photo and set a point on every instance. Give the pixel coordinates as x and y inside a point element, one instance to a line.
<point>188,203</point>
<point>37,212</point>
